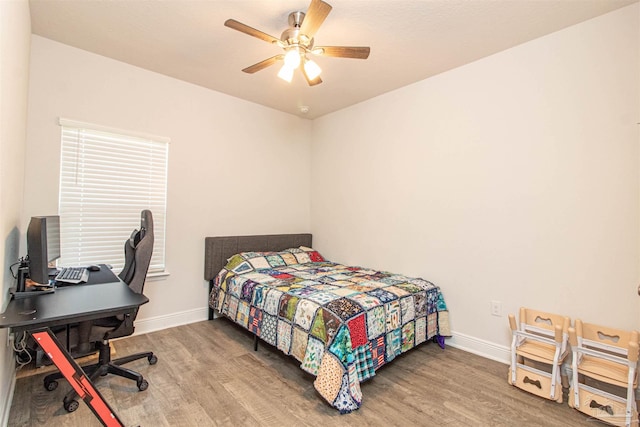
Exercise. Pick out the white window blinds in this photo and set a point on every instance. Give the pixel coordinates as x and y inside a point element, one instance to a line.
<point>107,177</point>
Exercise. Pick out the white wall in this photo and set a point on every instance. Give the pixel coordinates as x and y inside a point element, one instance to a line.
<point>514,178</point>
<point>15,36</point>
<point>225,161</point>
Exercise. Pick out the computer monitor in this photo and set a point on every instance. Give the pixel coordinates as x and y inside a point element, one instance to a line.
<point>43,246</point>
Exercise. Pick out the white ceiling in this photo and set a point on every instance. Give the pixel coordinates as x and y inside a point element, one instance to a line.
<point>410,40</point>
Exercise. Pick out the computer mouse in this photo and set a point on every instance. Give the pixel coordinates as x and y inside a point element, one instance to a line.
<point>93,268</point>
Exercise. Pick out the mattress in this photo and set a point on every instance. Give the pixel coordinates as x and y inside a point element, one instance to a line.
<point>342,323</point>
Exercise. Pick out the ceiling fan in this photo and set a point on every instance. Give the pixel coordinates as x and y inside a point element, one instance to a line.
<point>297,41</point>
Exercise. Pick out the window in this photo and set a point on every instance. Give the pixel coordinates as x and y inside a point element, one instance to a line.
<point>107,177</point>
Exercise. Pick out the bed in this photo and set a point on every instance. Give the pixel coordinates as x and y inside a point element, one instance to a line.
<point>342,323</point>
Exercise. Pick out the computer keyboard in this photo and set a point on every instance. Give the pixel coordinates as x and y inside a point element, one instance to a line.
<point>73,275</point>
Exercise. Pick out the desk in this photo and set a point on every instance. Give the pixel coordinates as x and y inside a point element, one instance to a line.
<point>71,304</point>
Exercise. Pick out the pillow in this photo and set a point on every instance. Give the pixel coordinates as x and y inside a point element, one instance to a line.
<point>250,261</point>
<point>304,255</point>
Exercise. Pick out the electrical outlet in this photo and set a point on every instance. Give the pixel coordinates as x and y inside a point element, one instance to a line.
<point>496,308</point>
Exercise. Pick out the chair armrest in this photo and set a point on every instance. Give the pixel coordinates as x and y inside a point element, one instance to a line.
<point>125,328</point>
<point>558,334</point>
<point>633,353</point>
<point>573,339</point>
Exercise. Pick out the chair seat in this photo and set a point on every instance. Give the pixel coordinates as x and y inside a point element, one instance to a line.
<point>606,371</point>
<point>538,351</point>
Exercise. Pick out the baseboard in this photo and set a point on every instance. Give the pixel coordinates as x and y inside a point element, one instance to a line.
<point>158,323</point>
<point>464,342</point>
<point>480,347</point>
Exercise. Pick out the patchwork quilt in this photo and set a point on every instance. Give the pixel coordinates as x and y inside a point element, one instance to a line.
<point>342,323</point>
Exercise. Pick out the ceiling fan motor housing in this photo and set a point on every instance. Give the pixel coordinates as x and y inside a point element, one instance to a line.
<point>295,19</point>
<point>292,36</point>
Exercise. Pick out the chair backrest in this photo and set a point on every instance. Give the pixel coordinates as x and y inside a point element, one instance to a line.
<point>130,257</point>
<point>606,339</point>
<point>544,324</point>
<point>138,250</point>
<point>543,320</point>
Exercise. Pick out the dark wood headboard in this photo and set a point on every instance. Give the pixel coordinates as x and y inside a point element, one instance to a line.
<point>218,249</point>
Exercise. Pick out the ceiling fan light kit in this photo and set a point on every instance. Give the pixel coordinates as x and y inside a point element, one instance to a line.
<point>311,69</point>
<point>297,41</point>
<point>292,58</point>
<point>286,73</point>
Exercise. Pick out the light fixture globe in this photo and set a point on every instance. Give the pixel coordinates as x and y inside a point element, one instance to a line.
<point>311,69</point>
<point>292,58</point>
<point>286,73</point>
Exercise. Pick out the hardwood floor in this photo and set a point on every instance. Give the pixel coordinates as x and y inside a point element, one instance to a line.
<point>208,375</point>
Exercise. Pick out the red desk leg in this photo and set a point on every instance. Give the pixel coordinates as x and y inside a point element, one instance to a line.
<point>76,377</point>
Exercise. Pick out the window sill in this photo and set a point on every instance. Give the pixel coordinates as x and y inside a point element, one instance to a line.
<point>158,275</point>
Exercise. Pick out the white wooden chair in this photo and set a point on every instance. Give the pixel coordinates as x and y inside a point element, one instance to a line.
<point>538,348</point>
<point>604,373</point>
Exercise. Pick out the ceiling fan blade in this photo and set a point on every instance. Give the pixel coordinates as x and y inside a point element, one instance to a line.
<point>315,16</point>
<point>263,64</point>
<point>343,51</point>
<point>239,26</point>
<point>313,82</point>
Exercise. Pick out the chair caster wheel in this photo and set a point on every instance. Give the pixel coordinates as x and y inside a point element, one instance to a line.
<point>71,406</point>
<point>51,385</point>
<point>143,385</point>
<point>152,359</point>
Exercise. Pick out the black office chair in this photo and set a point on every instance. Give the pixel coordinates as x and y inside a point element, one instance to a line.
<point>138,249</point>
